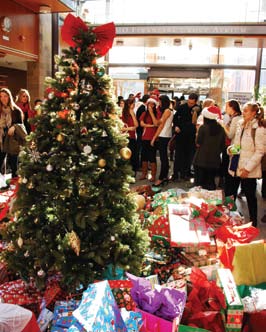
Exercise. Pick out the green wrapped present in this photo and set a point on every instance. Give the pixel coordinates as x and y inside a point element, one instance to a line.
<point>233,314</point>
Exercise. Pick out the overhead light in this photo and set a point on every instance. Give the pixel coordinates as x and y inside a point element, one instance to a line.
<point>45,9</point>
<point>177,42</point>
<point>238,43</point>
<point>119,43</point>
<point>190,45</point>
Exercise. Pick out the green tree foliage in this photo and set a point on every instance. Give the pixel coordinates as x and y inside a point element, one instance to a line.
<point>74,212</point>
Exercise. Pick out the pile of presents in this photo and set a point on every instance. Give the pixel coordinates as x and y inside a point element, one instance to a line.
<point>204,271</point>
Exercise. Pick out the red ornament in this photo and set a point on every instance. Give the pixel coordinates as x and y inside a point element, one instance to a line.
<point>63,114</point>
<point>64,95</point>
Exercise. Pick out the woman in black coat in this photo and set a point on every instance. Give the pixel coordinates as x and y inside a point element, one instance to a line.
<point>210,143</point>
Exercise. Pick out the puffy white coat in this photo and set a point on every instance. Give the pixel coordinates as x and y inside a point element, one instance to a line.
<point>251,150</point>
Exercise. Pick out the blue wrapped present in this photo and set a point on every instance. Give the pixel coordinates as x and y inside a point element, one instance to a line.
<point>98,310</point>
<point>63,317</point>
<point>132,319</point>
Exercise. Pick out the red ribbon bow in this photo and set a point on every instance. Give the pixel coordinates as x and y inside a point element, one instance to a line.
<point>105,33</point>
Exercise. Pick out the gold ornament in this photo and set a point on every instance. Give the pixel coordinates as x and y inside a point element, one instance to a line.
<point>39,111</point>
<point>30,185</point>
<point>20,241</point>
<point>74,242</point>
<point>102,163</point>
<point>140,200</point>
<point>82,191</point>
<point>125,153</point>
<point>60,138</point>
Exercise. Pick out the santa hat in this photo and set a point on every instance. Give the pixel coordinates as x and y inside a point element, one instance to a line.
<point>211,112</point>
<point>152,100</point>
<point>138,95</point>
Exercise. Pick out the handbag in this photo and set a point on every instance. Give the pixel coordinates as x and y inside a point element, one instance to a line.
<point>234,162</point>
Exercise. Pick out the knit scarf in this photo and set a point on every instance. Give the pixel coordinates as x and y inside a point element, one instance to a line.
<point>5,122</point>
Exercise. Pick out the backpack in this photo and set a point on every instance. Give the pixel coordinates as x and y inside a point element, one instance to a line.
<point>263,159</point>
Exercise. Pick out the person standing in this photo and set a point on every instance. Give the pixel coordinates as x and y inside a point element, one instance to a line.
<point>23,102</point>
<point>164,133</point>
<point>184,122</point>
<point>249,136</point>
<point>232,109</point>
<point>210,143</point>
<point>149,122</point>
<point>10,117</point>
<point>130,125</point>
<point>140,110</point>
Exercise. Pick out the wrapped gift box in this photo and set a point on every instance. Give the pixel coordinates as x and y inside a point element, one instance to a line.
<point>181,232</point>
<point>25,294</point>
<point>63,315</point>
<point>98,310</point>
<point>234,310</point>
<point>121,292</point>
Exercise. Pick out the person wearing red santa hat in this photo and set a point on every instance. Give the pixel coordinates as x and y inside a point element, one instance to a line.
<point>210,142</point>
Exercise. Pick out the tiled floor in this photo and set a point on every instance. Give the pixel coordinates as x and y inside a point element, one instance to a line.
<point>241,203</point>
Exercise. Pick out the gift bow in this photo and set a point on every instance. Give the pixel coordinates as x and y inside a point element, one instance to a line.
<point>105,33</point>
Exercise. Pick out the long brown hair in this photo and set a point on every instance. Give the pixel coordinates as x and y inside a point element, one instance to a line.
<point>11,102</point>
<point>126,109</point>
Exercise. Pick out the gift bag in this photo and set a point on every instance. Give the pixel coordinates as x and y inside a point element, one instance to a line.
<point>152,323</point>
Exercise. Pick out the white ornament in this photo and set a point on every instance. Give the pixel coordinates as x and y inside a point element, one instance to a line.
<point>41,273</point>
<point>87,149</point>
<point>76,107</point>
<point>24,180</point>
<point>112,238</point>
<point>104,133</point>
<point>50,95</point>
<point>49,167</point>
<point>20,241</point>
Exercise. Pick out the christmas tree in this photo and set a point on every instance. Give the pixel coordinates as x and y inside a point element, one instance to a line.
<point>74,213</point>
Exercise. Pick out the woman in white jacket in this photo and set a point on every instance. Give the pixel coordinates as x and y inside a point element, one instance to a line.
<point>249,136</point>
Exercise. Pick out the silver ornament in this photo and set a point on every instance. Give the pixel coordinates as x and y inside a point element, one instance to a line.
<point>41,273</point>
<point>49,168</point>
<point>76,107</point>
<point>50,95</point>
<point>87,149</point>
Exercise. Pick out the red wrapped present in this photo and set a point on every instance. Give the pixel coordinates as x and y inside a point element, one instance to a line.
<point>3,273</point>
<point>121,292</point>
<point>25,294</point>
<point>53,292</point>
<point>160,227</point>
<point>165,271</point>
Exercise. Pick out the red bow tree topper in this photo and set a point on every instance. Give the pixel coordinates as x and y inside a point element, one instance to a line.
<point>105,34</point>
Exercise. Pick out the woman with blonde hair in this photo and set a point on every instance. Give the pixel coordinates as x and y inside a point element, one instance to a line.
<point>23,102</point>
<point>11,121</point>
<point>249,138</point>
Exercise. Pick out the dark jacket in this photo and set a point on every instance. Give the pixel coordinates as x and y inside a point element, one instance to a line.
<point>209,146</point>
